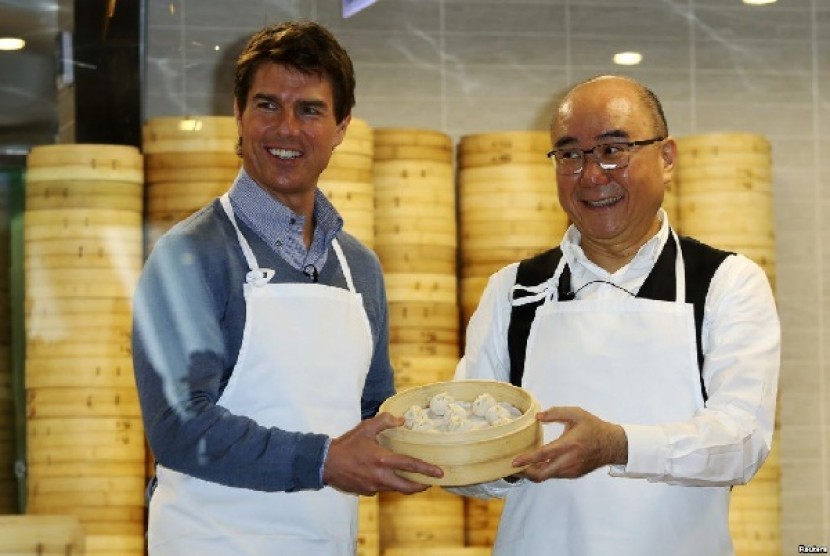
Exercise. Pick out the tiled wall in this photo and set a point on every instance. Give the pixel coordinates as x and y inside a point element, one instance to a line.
<point>468,66</point>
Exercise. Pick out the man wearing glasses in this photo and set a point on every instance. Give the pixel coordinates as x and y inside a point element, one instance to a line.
<point>656,356</point>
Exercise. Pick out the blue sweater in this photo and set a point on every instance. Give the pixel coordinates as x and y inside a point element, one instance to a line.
<point>189,314</point>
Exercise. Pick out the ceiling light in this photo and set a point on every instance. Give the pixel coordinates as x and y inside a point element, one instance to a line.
<point>11,43</point>
<point>759,2</point>
<point>628,58</point>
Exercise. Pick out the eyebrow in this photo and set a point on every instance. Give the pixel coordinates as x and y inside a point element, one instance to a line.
<point>611,134</point>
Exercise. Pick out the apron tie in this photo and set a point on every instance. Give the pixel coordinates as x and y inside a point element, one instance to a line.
<point>259,276</point>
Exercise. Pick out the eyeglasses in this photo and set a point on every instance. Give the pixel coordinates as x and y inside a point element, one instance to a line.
<point>609,156</point>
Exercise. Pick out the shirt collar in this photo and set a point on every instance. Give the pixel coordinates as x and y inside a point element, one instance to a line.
<point>644,260</point>
<point>272,220</point>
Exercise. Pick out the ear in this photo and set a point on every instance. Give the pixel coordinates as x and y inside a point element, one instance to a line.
<point>340,133</point>
<point>668,156</point>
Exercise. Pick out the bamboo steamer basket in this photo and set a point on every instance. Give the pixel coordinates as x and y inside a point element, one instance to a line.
<point>482,520</point>
<point>190,160</point>
<point>431,259</point>
<point>432,518</point>
<point>368,520</point>
<point>466,457</point>
<point>41,535</point>
<point>437,551</point>
<point>347,181</point>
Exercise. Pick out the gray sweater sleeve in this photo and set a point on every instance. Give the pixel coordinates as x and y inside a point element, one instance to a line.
<point>189,315</point>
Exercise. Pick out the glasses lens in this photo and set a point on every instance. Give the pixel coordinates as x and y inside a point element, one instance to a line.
<point>569,161</point>
<point>612,156</point>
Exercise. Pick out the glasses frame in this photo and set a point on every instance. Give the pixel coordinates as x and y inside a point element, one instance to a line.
<point>585,152</point>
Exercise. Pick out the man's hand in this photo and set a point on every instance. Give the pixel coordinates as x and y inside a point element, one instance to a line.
<point>587,443</point>
<point>357,463</point>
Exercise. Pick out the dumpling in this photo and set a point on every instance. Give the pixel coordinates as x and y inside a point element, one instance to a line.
<point>497,415</point>
<point>482,403</point>
<point>415,412</point>
<point>439,403</point>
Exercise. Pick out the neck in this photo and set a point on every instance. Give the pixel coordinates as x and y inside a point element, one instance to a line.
<point>612,255</point>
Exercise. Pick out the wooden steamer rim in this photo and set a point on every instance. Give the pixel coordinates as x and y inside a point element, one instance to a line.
<point>91,156</point>
<point>506,141</point>
<point>466,457</point>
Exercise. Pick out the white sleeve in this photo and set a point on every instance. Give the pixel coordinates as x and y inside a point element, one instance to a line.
<point>728,440</point>
<point>486,356</point>
<point>485,351</point>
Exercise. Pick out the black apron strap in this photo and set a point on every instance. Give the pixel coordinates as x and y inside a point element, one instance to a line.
<point>700,262</point>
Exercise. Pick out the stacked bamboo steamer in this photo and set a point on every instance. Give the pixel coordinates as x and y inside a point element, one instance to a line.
<point>508,203</point>
<point>8,441</point>
<point>347,181</point>
<point>190,160</point>
<point>41,535</point>
<point>725,199</point>
<point>415,239</point>
<point>83,254</point>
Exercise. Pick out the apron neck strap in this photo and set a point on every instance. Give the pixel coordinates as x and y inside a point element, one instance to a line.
<point>344,264</point>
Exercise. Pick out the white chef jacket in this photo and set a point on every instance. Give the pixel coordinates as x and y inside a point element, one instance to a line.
<point>726,441</point>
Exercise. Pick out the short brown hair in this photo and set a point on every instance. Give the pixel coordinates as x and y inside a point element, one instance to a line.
<point>306,47</point>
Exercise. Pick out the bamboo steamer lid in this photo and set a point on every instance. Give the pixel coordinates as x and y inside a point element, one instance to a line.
<point>359,128</point>
<point>426,335</point>
<point>439,288</point>
<point>88,155</point>
<point>347,160</point>
<point>709,144</point>
<point>429,518</point>
<point>100,514</point>
<point>419,314</point>
<point>224,160</point>
<point>411,378</point>
<point>87,431</point>
<point>333,173</point>
<point>82,402</point>
<point>412,137</point>
<point>439,351</point>
<point>412,170</point>
<point>466,457</point>
<point>185,128</point>
<point>79,223</point>
<point>354,145</point>
<point>478,160</point>
<point>743,184</point>
<point>192,175</point>
<point>395,226</point>
<point>115,545</point>
<point>545,189</point>
<point>416,237</point>
<point>81,468</point>
<point>412,152</point>
<point>482,519</point>
<point>721,172</point>
<point>505,141</point>
<point>92,307</point>
<point>718,212</point>
<point>401,198</point>
<point>430,259</point>
<point>509,173</point>
<point>444,365</point>
<point>437,551</point>
<point>41,535</point>
<point>88,455</point>
<point>392,184</point>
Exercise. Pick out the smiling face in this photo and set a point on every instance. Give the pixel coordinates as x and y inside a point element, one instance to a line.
<point>288,131</point>
<point>615,210</point>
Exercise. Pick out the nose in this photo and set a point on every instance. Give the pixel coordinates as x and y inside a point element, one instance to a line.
<point>288,123</point>
<point>592,173</point>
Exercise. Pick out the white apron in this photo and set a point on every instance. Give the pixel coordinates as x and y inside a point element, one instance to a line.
<point>579,353</point>
<point>302,365</point>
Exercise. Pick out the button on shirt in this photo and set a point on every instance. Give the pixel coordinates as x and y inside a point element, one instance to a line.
<point>281,228</point>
